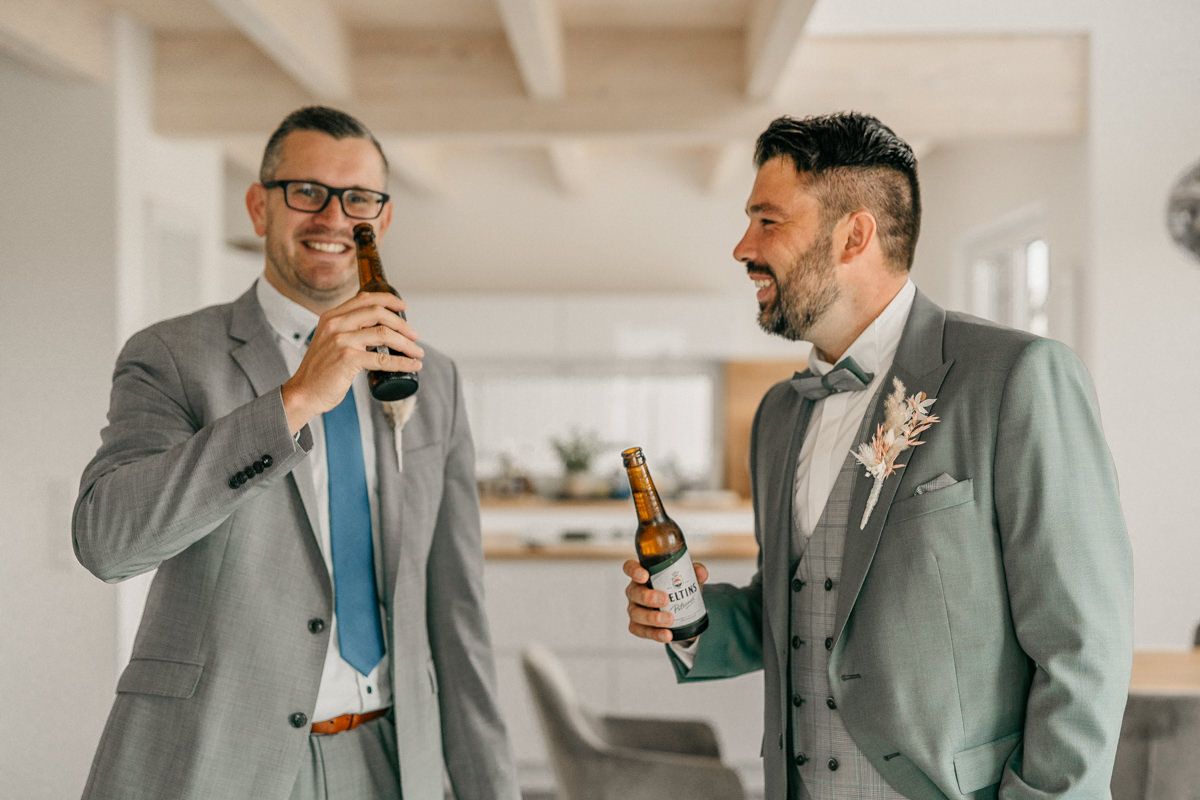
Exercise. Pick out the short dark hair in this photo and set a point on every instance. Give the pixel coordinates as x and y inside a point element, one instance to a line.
<point>855,161</point>
<point>323,119</point>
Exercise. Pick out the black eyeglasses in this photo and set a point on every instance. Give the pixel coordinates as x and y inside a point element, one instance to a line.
<point>312,197</point>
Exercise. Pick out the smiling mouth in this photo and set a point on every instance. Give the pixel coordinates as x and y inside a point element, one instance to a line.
<point>765,283</point>
<point>327,247</point>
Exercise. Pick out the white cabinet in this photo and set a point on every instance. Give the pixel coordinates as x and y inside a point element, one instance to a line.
<point>576,607</point>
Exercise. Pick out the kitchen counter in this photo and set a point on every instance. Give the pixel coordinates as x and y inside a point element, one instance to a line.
<point>1166,671</point>
<point>603,529</point>
<point>513,546</point>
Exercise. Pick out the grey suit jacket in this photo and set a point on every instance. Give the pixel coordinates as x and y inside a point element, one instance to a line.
<point>218,696</point>
<point>983,636</point>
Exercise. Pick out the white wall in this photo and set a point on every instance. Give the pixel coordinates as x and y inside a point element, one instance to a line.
<point>644,228</point>
<point>57,324</point>
<point>1144,326</point>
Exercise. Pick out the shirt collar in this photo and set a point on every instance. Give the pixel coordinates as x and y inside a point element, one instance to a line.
<point>291,321</point>
<point>875,348</point>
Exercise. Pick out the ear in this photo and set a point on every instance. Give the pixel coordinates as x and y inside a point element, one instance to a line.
<point>256,204</point>
<point>385,219</point>
<point>857,234</point>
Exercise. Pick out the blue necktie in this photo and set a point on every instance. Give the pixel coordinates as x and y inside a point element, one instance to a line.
<point>359,634</point>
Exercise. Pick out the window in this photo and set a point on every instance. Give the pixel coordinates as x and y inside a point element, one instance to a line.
<point>669,411</point>
<point>1008,273</point>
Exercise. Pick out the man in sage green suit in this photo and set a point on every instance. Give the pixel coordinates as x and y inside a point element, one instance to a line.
<point>978,641</point>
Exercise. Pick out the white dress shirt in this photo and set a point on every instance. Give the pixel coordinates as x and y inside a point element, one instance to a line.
<point>834,422</point>
<point>343,689</point>
<point>836,419</point>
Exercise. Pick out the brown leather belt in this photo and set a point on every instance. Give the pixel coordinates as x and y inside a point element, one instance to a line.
<point>347,722</point>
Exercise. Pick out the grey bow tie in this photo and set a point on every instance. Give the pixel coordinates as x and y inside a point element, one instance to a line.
<point>846,376</point>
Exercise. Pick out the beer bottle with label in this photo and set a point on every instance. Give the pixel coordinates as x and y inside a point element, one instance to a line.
<point>384,385</point>
<point>662,550</point>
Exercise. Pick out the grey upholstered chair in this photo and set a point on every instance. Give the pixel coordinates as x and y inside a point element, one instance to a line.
<point>600,757</point>
<point>1158,754</point>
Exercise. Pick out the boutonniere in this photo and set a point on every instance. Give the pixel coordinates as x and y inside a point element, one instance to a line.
<point>398,413</point>
<point>905,418</point>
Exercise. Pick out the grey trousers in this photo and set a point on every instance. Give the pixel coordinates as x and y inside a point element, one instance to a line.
<point>358,764</point>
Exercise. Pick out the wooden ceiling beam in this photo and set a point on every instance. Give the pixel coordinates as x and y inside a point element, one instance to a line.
<point>535,33</point>
<point>59,37</point>
<point>680,88</point>
<point>304,37</point>
<point>773,36</point>
<point>572,165</point>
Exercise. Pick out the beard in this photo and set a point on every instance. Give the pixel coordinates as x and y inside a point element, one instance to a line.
<point>803,294</point>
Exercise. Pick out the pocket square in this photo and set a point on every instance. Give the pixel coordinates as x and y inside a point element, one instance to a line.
<point>940,482</point>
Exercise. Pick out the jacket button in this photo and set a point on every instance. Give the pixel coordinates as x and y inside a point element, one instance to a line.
<point>258,467</point>
<point>797,642</point>
<point>829,643</point>
<point>316,625</point>
<point>298,720</point>
<point>829,702</point>
<point>267,460</point>
<point>829,584</point>
<point>235,481</point>
<point>797,700</point>
<point>801,759</point>
<point>797,584</point>
<point>833,765</point>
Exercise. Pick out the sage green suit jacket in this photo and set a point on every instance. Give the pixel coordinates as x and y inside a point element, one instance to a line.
<point>217,699</point>
<point>982,641</point>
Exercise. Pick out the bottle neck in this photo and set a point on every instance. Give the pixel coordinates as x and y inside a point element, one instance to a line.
<point>645,497</point>
<point>370,268</point>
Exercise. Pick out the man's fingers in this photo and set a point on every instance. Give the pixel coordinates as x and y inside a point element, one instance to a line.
<point>635,571</point>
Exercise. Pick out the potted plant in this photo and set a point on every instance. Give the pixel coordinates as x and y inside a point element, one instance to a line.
<point>576,452</point>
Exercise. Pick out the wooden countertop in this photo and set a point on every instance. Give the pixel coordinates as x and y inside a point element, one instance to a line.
<point>513,546</point>
<point>1166,672</point>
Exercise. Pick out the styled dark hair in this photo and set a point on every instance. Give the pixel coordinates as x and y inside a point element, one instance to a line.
<point>323,119</point>
<point>854,161</point>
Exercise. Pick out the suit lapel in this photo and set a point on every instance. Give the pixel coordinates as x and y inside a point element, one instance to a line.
<point>391,497</point>
<point>919,366</point>
<point>258,356</point>
<point>778,501</point>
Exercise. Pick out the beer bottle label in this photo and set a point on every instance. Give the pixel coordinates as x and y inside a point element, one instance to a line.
<point>677,578</point>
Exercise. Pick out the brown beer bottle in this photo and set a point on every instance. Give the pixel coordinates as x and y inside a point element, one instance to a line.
<point>663,552</point>
<point>384,385</point>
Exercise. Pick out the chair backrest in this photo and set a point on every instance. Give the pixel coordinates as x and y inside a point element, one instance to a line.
<point>1156,754</point>
<point>570,734</point>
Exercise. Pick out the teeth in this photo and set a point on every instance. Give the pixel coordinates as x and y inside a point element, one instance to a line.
<point>762,284</point>
<point>327,248</point>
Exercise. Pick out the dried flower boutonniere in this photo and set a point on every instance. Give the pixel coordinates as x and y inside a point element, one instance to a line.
<point>398,413</point>
<point>904,419</point>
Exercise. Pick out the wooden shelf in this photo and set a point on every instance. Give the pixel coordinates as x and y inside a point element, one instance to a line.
<point>513,546</point>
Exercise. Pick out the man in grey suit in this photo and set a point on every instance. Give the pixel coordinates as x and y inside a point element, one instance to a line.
<point>316,626</point>
<point>944,620</point>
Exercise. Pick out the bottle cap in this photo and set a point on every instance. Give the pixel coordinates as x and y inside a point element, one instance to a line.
<point>363,233</point>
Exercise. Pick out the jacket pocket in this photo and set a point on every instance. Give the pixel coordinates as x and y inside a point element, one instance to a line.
<point>919,505</point>
<point>160,677</point>
<point>984,765</point>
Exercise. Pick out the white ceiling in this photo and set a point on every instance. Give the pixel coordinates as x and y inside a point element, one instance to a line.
<point>562,76</point>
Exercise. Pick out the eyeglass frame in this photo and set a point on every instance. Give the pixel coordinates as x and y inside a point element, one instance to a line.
<point>331,193</point>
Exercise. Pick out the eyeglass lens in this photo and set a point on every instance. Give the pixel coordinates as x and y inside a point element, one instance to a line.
<point>312,197</point>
